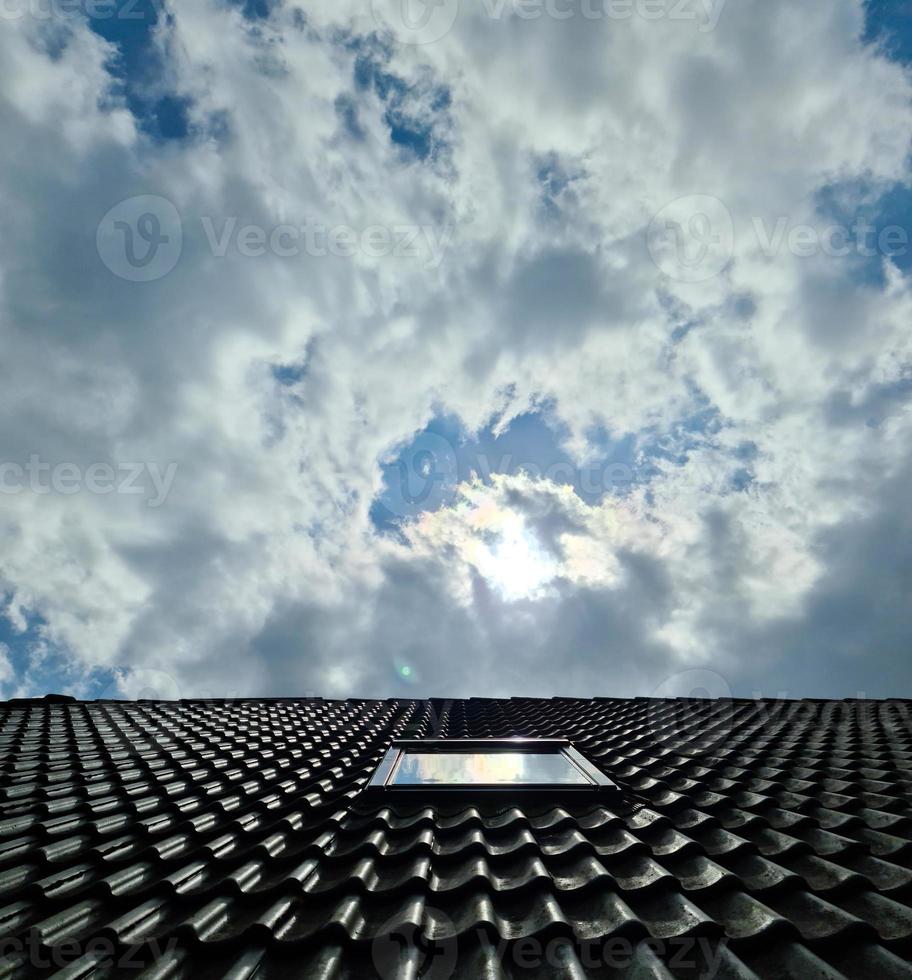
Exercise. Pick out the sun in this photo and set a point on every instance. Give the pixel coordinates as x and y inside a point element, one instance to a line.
<point>514,563</point>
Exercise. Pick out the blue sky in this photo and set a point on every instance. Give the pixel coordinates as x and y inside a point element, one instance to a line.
<point>33,660</point>
<point>890,21</point>
<point>533,354</point>
<point>140,70</point>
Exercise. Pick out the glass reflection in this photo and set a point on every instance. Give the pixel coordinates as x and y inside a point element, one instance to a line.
<point>468,768</point>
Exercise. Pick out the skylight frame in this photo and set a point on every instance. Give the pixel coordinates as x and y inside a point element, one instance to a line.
<point>381,784</point>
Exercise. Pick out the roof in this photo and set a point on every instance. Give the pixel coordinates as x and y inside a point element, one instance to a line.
<point>210,839</point>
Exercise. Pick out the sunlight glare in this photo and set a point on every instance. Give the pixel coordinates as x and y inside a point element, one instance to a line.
<point>516,565</point>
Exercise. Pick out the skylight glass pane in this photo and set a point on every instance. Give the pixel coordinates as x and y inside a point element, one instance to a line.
<point>480,768</point>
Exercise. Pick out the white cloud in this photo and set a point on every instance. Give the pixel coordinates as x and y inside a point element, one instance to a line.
<point>557,143</point>
<point>7,674</point>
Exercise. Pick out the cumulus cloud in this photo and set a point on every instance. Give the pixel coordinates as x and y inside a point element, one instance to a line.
<point>370,233</point>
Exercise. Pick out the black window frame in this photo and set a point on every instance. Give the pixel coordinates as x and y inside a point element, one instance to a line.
<point>380,785</point>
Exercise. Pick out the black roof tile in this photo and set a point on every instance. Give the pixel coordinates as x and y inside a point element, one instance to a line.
<point>232,839</point>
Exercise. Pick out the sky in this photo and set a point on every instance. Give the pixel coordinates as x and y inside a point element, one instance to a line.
<point>391,348</point>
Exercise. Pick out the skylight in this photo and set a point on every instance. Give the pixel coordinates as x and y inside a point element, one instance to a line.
<point>486,766</point>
